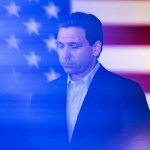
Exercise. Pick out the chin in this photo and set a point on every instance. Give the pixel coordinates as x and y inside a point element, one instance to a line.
<point>69,71</point>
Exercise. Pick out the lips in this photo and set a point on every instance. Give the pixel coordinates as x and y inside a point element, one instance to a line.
<point>67,65</point>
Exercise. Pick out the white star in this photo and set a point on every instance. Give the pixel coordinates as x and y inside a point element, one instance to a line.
<point>13,42</point>
<point>13,9</point>
<point>33,59</point>
<point>52,10</point>
<point>32,26</point>
<point>51,43</point>
<point>51,75</point>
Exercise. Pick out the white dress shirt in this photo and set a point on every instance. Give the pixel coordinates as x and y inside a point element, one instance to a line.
<point>75,96</point>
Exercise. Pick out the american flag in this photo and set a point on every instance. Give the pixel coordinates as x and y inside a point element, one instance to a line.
<point>126,25</point>
<point>28,56</point>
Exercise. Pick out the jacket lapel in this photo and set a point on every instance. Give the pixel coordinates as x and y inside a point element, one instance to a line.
<point>62,87</point>
<point>93,101</point>
<point>58,94</point>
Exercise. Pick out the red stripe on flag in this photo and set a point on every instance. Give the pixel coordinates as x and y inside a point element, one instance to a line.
<point>126,35</point>
<point>114,0</point>
<point>142,79</point>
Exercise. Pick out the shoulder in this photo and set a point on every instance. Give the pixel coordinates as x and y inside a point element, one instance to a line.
<point>52,85</point>
<point>58,81</point>
<point>50,90</point>
<point>118,85</point>
<point>117,80</point>
<point>130,97</point>
<point>46,99</point>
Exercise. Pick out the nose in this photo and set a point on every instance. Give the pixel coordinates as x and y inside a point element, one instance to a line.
<point>66,52</point>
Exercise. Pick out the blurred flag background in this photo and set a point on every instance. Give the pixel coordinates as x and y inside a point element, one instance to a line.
<point>126,26</point>
<point>28,57</point>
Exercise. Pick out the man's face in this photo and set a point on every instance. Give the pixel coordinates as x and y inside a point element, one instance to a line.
<point>76,56</point>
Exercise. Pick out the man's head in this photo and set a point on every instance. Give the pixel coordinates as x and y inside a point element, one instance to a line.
<point>88,22</point>
<point>79,44</point>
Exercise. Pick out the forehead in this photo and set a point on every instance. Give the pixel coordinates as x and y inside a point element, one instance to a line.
<point>71,33</point>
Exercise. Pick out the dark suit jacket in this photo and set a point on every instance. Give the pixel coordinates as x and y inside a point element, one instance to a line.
<point>113,107</point>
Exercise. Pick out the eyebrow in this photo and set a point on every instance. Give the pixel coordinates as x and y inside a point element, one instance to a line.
<point>69,43</point>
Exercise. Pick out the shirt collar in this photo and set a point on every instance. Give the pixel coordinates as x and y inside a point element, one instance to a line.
<point>88,78</point>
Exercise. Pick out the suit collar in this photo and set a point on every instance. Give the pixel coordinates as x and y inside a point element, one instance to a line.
<point>94,96</point>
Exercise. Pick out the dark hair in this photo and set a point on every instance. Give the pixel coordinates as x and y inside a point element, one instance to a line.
<point>90,24</point>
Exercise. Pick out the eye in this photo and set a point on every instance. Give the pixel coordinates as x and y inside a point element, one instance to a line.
<point>75,45</point>
<point>60,45</point>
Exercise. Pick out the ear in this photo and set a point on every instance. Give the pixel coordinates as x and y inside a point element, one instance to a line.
<point>96,48</point>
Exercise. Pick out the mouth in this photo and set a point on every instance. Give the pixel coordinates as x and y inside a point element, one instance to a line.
<point>67,65</point>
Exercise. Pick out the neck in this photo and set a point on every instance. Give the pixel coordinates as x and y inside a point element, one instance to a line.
<point>80,76</point>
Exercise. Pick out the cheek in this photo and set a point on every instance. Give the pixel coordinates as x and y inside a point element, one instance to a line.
<point>83,56</point>
<point>81,59</point>
<point>60,59</point>
<point>59,55</point>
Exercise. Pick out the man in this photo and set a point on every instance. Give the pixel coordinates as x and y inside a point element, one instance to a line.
<point>89,107</point>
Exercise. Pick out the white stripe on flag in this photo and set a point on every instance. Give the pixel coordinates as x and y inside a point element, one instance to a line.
<point>126,58</point>
<point>116,12</point>
<point>148,99</point>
